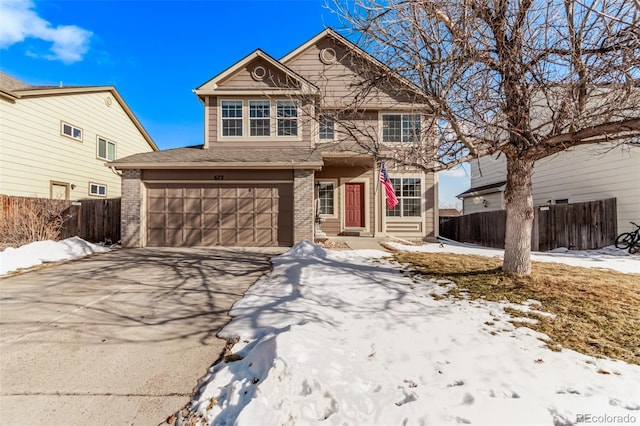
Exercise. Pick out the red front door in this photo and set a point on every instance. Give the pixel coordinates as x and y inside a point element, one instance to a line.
<point>354,205</point>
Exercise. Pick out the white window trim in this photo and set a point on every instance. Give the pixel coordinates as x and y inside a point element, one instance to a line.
<point>108,141</point>
<point>320,140</point>
<point>402,217</point>
<point>246,127</point>
<point>64,123</point>
<point>334,182</point>
<point>97,185</point>
<point>401,113</point>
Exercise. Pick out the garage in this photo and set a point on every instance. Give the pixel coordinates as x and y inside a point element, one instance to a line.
<point>227,214</point>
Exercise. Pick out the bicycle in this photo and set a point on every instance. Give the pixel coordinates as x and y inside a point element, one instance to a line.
<point>629,240</point>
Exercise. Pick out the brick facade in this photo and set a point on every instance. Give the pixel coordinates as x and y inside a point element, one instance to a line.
<point>131,210</point>
<point>303,205</point>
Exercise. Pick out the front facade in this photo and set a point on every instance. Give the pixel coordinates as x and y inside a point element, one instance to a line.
<point>275,167</point>
<point>583,173</point>
<point>55,141</point>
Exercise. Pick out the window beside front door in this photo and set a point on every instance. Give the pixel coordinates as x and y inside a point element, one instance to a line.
<point>326,204</point>
<point>409,193</point>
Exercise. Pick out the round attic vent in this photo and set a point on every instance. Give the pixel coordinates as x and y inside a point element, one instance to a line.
<point>259,73</point>
<point>328,55</point>
<point>108,101</point>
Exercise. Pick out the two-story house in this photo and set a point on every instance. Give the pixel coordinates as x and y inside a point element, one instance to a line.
<point>583,173</point>
<point>270,166</point>
<point>55,140</point>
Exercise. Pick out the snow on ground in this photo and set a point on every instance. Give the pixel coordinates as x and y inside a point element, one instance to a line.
<point>349,338</point>
<point>608,257</point>
<point>33,254</point>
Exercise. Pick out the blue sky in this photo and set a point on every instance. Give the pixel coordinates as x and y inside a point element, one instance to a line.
<point>155,52</point>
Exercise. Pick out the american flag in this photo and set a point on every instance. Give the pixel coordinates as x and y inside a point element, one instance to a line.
<point>392,200</point>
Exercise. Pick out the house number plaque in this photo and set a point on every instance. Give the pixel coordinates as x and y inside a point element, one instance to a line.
<point>218,177</point>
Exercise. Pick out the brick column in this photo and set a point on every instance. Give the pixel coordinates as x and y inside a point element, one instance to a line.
<point>302,205</point>
<point>131,209</point>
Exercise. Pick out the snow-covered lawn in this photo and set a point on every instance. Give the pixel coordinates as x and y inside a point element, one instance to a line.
<point>27,256</point>
<point>348,337</point>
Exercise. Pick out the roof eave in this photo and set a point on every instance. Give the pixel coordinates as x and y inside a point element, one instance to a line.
<point>203,165</point>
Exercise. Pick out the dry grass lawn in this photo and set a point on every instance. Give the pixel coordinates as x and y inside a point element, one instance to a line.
<point>597,311</point>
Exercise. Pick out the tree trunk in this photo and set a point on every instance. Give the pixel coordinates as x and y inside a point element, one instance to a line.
<point>519,205</point>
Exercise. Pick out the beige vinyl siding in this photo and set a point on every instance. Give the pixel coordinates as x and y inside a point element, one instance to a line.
<point>336,80</point>
<point>243,79</point>
<point>583,173</point>
<point>34,151</point>
<point>305,125</point>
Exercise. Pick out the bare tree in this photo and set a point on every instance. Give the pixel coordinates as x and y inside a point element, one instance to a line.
<point>526,78</point>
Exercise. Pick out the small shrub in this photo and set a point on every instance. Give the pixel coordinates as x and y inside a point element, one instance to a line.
<point>25,220</point>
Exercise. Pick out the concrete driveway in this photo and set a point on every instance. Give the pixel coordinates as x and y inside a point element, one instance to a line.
<point>117,339</point>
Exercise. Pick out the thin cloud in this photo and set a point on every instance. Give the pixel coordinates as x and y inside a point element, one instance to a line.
<point>458,172</point>
<point>19,21</point>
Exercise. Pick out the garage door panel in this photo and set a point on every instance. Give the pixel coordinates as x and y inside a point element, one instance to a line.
<point>174,220</point>
<point>156,205</point>
<point>174,237</point>
<point>245,220</point>
<point>219,214</point>
<point>228,237</point>
<point>172,192</point>
<point>210,205</point>
<point>265,220</point>
<point>228,205</point>
<point>192,220</point>
<point>193,205</point>
<point>192,193</point>
<point>156,220</point>
<point>245,205</point>
<point>192,237</point>
<point>174,205</point>
<point>210,221</point>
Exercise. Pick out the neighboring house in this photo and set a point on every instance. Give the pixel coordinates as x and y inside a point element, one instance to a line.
<point>55,141</point>
<point>267,170</point>
<point>584,173</point>
<point>449,212</point>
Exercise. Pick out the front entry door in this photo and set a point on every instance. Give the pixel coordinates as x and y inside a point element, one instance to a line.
<point>354,205</point>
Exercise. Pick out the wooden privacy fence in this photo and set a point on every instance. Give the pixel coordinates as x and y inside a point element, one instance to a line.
<point>579,226</point>
<point>94,220</point>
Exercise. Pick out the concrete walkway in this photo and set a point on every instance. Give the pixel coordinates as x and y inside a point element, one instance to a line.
<point>116,339</point>
<point>362,243</point>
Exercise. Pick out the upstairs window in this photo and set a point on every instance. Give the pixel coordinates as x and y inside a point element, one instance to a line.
<point>401,127</point>
<point>287,118</point>
<point>409,193</point>
<point>106,149</point>
<point>71,131</point>
<point>326,128</point>
<point>260,118</point>
<point>231,118</point>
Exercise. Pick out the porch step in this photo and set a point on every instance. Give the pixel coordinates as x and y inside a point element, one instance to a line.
<point>355,234</point>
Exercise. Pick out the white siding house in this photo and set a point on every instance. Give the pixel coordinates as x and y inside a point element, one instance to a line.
<point>583,173</point>
<point>55,141</point>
